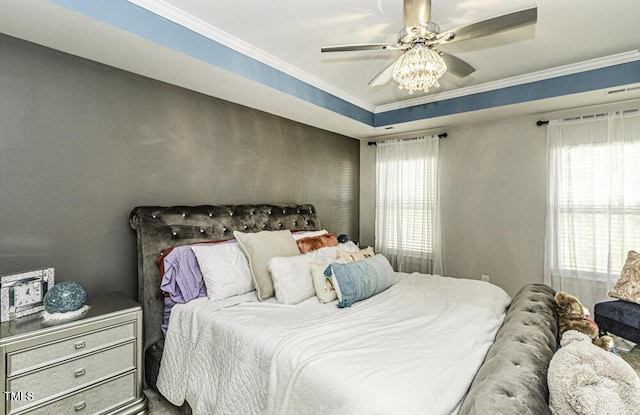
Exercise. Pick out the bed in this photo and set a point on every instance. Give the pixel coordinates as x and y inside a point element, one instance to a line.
<point>424,344</point>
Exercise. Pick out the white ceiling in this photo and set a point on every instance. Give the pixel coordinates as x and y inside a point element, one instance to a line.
<point>571,36</point>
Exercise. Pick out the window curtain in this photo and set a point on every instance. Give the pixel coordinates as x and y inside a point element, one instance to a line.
<point>593,202</point>
<point>407,206</point>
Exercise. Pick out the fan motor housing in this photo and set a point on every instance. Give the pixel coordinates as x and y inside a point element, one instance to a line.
<point>428,31</point>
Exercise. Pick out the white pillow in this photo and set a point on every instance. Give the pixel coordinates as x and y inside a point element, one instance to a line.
<point>322,285</point>
<point>225,270</point>
<point>330,253</point>
<point>307,234</point>
<point>259,248</point>
<point>291,278</point>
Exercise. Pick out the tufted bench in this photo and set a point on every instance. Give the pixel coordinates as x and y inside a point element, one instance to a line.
<point>513,377</point>
<point>621,318</point>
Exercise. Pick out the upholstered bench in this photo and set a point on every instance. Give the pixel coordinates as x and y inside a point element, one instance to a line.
<point>621,318</point>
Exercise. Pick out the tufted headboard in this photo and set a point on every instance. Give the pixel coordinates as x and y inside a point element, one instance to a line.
<point>158,228</point>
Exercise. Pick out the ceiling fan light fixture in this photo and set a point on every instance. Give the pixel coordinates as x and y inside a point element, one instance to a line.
<point>419,69</point>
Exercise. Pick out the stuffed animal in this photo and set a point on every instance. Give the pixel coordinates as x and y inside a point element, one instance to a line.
<point>572,316</point>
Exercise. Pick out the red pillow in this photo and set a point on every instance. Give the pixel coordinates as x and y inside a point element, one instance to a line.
<point>311,243</point>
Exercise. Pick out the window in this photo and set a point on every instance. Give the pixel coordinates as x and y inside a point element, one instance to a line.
<point>593,202</point>
<point>407,230</point>
<point>598,208</point>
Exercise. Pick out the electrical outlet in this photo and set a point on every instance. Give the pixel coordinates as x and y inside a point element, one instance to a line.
<point>485,277</point>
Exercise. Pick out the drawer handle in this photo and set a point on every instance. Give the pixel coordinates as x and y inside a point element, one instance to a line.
<point>79,372</point>
<point>80,406</point>
<point>80,345</point>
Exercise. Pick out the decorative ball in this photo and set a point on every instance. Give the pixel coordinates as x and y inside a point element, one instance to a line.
<point>65,297</point>
<point>343,238</point>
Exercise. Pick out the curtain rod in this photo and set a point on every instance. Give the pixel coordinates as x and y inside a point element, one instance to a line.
<point>543,122</point>
<point>373,143</point>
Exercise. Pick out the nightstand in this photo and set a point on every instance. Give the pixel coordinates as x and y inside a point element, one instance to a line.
<point>90,365</point>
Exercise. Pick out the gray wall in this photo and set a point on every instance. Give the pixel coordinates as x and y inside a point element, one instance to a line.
<point>81,144</point>
<point>492,198</point>
<point>492,195</point>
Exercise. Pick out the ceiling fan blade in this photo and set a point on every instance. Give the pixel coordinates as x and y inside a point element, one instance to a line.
<point>456,66</point>
<point>491,26</point>
<point>384,75</point>
<point>355,48</point>
<point>417,13</point>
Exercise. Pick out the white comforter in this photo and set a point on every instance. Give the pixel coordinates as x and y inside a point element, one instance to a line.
<point>412,349</point>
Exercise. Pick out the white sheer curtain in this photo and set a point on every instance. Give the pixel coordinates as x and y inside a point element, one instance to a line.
<point>407,205</point>
<point>593,202</point>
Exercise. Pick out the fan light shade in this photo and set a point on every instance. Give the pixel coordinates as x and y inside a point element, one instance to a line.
<point>419,69</point>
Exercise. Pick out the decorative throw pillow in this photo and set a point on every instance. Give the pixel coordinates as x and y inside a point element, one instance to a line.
<point>225,270</point>
<point>356,256</point>
<point>259,248</point>
<point>628,286</point>
<point>313,243</point>
<point>356,281</point>
<point>291,278</point>
<point>322,285</point>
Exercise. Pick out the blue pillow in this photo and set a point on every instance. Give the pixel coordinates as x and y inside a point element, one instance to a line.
<point>360,280</point>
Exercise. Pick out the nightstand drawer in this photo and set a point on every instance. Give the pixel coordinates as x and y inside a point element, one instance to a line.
<point>29,359</point>
<point>73,374</point>
<point>95,400</point>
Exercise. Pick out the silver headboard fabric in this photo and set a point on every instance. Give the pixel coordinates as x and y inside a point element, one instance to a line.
<point>159,228</point>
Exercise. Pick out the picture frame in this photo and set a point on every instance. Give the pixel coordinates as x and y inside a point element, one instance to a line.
<point>23,294</point>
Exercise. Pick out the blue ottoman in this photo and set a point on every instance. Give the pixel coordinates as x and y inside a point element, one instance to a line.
<point>621,318</point>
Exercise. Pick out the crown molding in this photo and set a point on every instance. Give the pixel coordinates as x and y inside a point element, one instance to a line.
<point>620,58</point>
<point>182,18</point>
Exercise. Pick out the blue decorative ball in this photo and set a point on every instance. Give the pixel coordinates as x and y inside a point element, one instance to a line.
<point>65,297</point>
<point>343,238</point>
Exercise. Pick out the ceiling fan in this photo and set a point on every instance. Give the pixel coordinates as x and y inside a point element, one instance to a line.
<point>422,62</point>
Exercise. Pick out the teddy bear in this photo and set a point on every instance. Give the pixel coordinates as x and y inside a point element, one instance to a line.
<point>573,316</point>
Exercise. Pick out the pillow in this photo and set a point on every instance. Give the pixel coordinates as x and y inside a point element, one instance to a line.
<point>322,285</point>
<point>225,270</point>
<point>313,243</point>
<point>304,234</point>
<point>356,256</point>
<point>584,379</point>
<point>259,248</point>
<point>330,253</point>
<point>356,281</point>
<point>628,286</point>
<point>291,278</point>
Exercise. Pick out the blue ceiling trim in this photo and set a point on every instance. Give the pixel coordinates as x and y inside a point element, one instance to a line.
<point>612,76</point>
<point>148,25</point>
<point>141,22</point>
